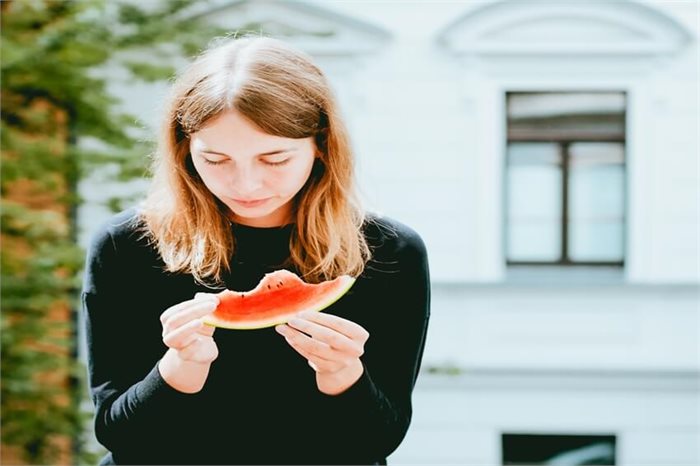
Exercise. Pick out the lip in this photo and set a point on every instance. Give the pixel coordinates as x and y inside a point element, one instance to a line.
<point>251,203</point>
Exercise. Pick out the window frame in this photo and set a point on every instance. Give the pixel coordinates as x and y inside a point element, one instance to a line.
<point>563,143</point>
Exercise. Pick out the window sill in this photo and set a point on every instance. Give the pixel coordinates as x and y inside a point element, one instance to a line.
<point>562,275</point>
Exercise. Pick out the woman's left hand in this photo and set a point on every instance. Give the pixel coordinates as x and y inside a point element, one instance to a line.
<point>332,345</point>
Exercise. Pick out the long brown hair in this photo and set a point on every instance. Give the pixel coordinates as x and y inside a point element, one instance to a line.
<point>283,92</point>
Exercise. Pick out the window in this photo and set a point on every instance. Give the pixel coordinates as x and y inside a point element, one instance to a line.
<point>563,450</point>
<point>565,178</point>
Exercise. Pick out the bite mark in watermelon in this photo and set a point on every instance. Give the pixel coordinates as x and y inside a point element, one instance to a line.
<point>278,297</point>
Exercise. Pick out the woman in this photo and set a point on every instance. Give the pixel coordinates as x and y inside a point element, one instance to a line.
<point>253,173</point>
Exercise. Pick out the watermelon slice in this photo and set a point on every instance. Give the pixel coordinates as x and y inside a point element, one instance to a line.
<point>279,296</point>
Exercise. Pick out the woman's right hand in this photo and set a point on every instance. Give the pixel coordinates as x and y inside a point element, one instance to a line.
<point>190,342</point>
<point>185,332</point>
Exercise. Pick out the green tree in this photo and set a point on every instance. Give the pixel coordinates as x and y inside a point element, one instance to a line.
<point>52,100</point>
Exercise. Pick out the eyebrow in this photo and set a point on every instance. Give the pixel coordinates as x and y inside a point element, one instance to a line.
<point>273,152</point>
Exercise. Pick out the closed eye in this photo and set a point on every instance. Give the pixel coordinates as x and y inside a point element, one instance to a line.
<point>272,163</point>
<point>214,162</point>
<point>266,162</point>
<point>276,164</point>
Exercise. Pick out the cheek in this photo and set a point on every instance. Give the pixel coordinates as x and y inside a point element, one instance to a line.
<point>211,176</point>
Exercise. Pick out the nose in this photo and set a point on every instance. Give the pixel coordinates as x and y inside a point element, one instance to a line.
<point>246,181</point>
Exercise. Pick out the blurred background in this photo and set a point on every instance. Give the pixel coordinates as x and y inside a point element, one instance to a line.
<point>546,151</point>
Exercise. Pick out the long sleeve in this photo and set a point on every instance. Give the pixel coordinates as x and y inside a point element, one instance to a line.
<point>130,396</point>
<point>377,409</point>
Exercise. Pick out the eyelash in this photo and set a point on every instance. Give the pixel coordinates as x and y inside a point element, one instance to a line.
<point>276,164</point>
<point>219,162</point>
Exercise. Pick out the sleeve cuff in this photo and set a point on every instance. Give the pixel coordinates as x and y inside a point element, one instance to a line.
<point>363,391</point>
<point>153,389</point>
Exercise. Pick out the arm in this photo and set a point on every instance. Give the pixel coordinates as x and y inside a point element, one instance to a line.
<point>371,417</point>
<point>130,394</point>
<point>377,409</point>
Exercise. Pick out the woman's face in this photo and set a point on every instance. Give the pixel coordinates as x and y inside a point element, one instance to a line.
<point>254,173</point>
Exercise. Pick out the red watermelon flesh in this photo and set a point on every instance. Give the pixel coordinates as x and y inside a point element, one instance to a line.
<point>279,296</point>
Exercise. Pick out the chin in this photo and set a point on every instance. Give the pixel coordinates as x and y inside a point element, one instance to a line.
<point>257,214</point>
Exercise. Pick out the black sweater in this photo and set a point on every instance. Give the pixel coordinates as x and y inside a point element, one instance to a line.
<point>260,403</point>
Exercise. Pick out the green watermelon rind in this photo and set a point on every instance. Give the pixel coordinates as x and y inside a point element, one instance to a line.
<point>256,325</point>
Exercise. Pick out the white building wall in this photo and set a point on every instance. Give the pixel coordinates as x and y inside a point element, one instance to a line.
<point>655,423</point>
<point>563,328</point>
<point>426,113</point>
<point>675,104</point>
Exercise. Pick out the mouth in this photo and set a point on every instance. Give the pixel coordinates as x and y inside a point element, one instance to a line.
<point>251,202</point>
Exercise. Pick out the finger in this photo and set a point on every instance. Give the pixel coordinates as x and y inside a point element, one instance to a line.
<point>310,346</point>
<point>207,330</point>
<point>329,336</point>
<point>344,326</point>
<point>308,355</point>
<point>321,366</point>
<point>182,336</point>
<point>200,349</point>
<point>186,315</point>
<point>318,363</point>
<point>172,310</point>
<point>190,349</point>
<point>180,306</point>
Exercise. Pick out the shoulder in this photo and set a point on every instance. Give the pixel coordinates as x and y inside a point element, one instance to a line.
<point>113,248</point>
<point>389,238</point>
<point>125,227</point>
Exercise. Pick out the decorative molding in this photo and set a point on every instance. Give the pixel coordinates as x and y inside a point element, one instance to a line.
<point>450,377</point>
<point>564,29</point>
<point>316,30</point>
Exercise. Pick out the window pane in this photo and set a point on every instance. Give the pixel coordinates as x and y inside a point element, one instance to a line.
<point>596,202</point>
<point>569,450</point>
<point>566,115</point>
<point>534,202</point>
